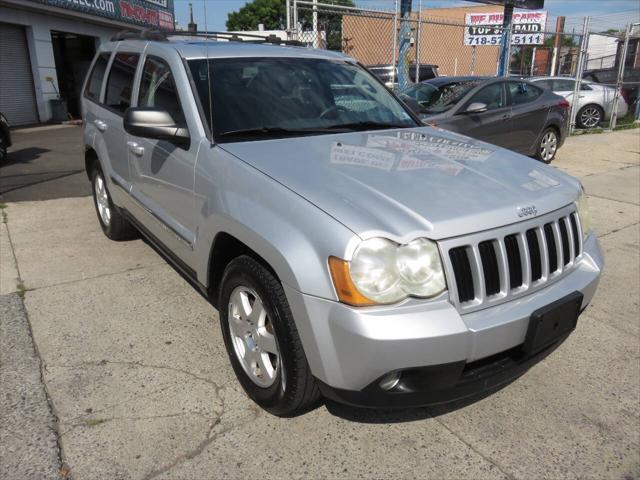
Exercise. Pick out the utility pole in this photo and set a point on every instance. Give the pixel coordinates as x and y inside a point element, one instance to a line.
<point>418,34</point>
<point>404,39</point>
<point>505,45</point>
<point>557,43</point>
<point>288,15</point>
<point>192,27</point>
<point>315,23</point>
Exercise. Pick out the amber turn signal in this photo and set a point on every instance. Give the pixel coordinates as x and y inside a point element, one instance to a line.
<point>346,290</point>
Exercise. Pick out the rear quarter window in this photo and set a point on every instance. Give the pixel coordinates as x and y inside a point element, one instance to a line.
<point>522,92</point>
<point>96,76</point>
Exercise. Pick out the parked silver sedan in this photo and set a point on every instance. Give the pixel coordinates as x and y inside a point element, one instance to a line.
<point>595,102</point>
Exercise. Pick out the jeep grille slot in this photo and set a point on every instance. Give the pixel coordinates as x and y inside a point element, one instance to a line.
<point>564,236</point>
<point>462,268</point>
<point>493,266</point>
<point>576,234</point>
<point>552,249</point>
<point>514,261</point>
<point>535,258</point>
<point>489,267</point>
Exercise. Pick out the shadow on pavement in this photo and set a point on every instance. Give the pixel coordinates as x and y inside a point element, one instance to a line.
<point>25,155</point>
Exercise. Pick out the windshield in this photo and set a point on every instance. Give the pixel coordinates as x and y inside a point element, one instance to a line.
<point>257,98</point>
<point>438,99</point>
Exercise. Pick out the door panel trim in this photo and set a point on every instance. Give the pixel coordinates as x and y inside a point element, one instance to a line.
<point>136,196</point>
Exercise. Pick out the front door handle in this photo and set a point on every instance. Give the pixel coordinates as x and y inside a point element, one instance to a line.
<point>135,148</point>
<point>100,125</point>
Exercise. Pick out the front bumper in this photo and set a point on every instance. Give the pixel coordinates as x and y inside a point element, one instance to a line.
<point>350,349</point>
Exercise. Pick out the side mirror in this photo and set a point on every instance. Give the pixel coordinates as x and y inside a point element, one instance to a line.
<point>412,103</point>
<point>476,107</point>
<point>154,122</point>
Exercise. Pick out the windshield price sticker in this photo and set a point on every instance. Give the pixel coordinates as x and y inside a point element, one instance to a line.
<point>486,28</point>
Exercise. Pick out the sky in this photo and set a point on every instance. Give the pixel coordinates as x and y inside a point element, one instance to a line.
<point>605,13</point>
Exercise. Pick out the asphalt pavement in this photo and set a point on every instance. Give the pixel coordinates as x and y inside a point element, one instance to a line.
<point>44,163</point>
<point>140,387</point>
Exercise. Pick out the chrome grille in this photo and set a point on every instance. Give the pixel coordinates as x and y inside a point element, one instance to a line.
<point>495,266</point>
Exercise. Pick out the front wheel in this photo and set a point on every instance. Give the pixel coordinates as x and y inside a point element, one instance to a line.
<point>262,340</point>
<point>547,146</point>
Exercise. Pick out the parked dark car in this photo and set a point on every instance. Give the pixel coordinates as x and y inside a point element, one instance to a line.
<point>5,138</point>
<point>511,113</point>
<point>386,73</point>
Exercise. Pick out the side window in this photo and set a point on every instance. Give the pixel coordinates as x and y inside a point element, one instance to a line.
<point>584,86</point>
<point>547,84</point>
<point>158,89</point>
<point>563,85</point>
<point>522,92</point>
<point>94,84</point>
<point>120,81</point>
<point>492,96</point>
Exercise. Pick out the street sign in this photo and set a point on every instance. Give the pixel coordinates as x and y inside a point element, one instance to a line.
<point>486,28</point>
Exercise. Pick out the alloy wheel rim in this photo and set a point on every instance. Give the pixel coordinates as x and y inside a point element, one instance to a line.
<point>253,337</point>
<point>590,117</point>
<point>102,200</point>
<point>548,146</point>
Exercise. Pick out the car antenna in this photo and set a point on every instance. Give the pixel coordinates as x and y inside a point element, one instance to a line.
<point>206,47</point>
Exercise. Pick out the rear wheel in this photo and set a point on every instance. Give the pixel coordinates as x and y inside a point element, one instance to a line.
<point>112,222</point>
<point>262,340</point>
<point>547,146</point>
<point>3,148</point>
<point>589,116</point>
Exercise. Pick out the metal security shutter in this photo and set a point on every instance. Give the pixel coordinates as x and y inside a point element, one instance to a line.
<point>17,95</point>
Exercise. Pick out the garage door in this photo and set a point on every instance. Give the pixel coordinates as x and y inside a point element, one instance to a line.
<point>17,96</point>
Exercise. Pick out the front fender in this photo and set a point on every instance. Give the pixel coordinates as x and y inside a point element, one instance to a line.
<point>294,236</point>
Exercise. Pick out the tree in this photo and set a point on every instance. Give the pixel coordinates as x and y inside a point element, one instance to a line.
<point>272,13</point>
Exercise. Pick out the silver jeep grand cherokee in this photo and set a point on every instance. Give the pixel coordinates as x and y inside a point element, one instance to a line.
<point>352,252</point>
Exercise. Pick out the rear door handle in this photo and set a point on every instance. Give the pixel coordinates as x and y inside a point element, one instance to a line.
<point>100,125</point>
<point>135,148</point>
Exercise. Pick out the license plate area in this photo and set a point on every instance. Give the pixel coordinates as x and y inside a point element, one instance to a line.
<point>549,323</point>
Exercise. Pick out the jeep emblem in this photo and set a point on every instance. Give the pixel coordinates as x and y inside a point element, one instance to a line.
<point>527,211</point>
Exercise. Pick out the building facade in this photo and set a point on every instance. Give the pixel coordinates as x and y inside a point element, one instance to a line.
<point>46,47</point>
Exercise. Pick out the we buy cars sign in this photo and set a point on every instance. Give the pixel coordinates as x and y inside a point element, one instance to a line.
<point>486,28</point>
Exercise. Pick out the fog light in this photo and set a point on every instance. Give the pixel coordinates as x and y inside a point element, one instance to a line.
<point>389,381</point>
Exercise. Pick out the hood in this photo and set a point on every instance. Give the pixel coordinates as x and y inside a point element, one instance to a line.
<point>410,182</point>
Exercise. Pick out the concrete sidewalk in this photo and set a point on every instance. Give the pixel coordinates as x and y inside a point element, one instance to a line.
<point>135,366</point>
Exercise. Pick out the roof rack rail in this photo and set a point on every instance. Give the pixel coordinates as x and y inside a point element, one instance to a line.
<point>146,34</point>
<point>161,35</point>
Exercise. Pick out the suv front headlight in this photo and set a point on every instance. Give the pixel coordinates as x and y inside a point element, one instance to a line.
<point>382,272</point>
<point>582,206</point>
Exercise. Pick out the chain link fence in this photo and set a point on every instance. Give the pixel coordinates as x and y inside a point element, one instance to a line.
<point>597,63</point>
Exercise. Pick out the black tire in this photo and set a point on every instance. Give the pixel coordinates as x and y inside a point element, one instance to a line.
<point>117,227</point>
<point>543,152</point>
<point>3,148</point>
<point>294,390</point>
<point>593,115</point>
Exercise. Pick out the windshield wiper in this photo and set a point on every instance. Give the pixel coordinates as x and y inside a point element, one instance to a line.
<point>359,126</point>
<point>270,131</point>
